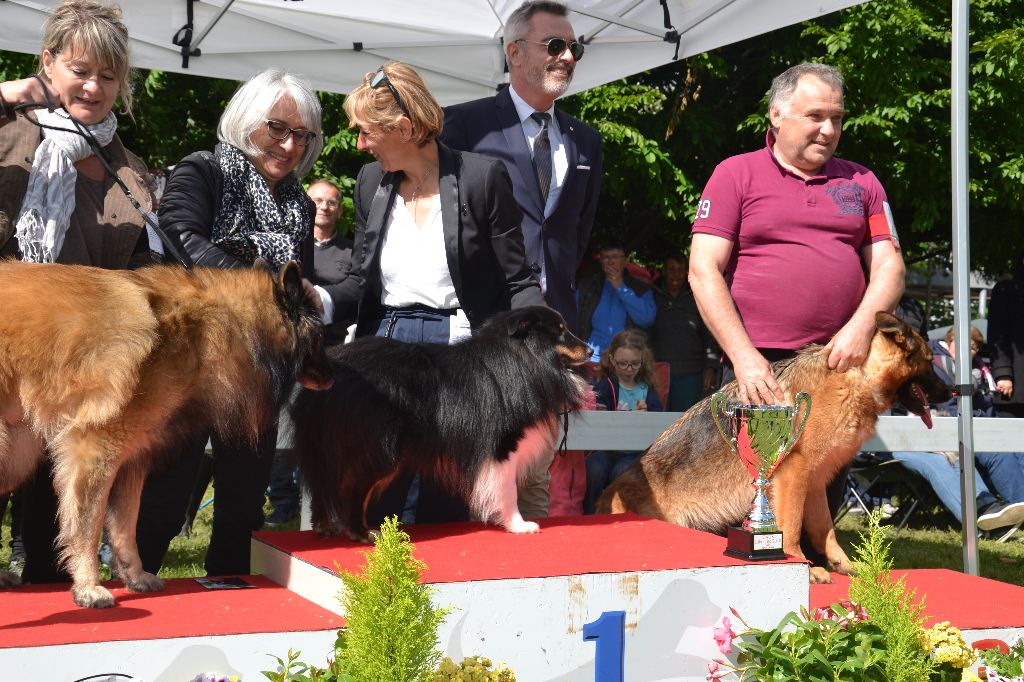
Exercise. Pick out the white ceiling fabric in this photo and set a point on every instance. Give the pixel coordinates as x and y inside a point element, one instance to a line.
<point>454,44</point>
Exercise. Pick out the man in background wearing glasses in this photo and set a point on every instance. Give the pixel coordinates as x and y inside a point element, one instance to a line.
<point>554,160</point>
<point>332,252</point>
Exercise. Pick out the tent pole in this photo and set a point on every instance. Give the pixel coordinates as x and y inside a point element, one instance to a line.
<point>961,274</point>
<point>225,8</point>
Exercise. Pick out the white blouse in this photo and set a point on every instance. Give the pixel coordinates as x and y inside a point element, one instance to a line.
<point>413,264</point>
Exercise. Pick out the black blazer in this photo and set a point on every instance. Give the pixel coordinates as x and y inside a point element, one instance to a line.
<point>559,243</point>
<point>482,234</point>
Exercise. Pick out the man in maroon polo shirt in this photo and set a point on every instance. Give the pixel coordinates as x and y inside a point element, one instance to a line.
<point>780,237</point>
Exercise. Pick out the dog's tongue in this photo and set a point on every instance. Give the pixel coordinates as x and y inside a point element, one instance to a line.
<point>926,413</point>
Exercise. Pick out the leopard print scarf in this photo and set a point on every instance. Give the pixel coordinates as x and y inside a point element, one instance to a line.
<point>250,224</point>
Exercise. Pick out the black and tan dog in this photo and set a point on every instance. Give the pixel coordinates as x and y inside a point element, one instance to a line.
<point>106,370</point>
<point>690,477</point>
<point>475,416</point>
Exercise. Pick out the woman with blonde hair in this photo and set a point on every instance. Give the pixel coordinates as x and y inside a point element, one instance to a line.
<point>57,202</point>
<point>438,244</point>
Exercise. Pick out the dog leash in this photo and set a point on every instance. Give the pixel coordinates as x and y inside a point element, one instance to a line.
<point>94,144</point>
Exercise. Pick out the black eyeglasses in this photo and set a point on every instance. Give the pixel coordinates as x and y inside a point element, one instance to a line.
<point>279,130</point>
<point>381,78</point>
<point>557,46</point>
<point>635,364</point>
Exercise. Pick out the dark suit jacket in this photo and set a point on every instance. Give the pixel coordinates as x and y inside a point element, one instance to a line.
<point>491,126</point>
<point>483,240</point>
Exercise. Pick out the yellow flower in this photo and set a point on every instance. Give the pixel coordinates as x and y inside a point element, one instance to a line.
<point>969,675</point>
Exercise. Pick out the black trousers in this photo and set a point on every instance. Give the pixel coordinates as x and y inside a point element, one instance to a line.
<point>240,475</point>
<point>39,529</point>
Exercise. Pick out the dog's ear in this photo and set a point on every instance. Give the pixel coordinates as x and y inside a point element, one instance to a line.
<point>888,323</point>
<point>519,324</point>
<point>290,279</point>
<point>900,331</point>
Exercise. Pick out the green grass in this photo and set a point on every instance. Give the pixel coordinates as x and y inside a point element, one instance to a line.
<point>943,548</point>
<point>911,548</point>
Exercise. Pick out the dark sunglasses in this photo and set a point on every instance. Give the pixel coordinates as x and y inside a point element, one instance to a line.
<point>557,46</point>
<point>280,131</point>
<point>381,78</point>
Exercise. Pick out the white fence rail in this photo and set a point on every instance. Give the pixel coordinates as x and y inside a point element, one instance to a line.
<point>637,430</point>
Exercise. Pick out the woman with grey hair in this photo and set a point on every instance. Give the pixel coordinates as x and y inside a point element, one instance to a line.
<point>244,201</point>
<point>228,208</point>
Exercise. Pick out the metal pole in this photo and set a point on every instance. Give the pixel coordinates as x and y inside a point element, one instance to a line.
<point>961,276</point>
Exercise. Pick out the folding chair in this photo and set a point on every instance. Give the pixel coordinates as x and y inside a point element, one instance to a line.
<point>870,470</point>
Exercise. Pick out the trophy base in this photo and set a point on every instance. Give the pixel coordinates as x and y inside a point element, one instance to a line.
<point>745,544</point>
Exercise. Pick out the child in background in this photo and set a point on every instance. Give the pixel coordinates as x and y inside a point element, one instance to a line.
<point>626,382</point>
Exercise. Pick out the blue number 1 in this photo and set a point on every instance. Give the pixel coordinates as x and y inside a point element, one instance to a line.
<point>608,632</point>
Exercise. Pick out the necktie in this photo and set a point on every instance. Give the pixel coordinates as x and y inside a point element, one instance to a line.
<point>542,154</point>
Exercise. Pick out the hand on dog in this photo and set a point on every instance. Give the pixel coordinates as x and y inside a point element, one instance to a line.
<point>849,347</point>
<point>755,382</point>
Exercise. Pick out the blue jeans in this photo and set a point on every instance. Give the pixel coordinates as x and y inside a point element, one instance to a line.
<point>1006,472</point>
<point>944,477</point>
<point>414,326</point>
<point>603,467</point>
<point>410,497</point>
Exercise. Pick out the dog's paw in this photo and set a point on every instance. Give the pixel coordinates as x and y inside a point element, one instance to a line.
<point>843,568</point>
<point>9,579</point>
<point>146,582</point>
<point>819,576</point>
<point>92,596</point>
<point>519,525</point>
<point>326,529</point>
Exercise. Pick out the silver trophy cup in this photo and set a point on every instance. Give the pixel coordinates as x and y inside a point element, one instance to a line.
<point>762,436</point>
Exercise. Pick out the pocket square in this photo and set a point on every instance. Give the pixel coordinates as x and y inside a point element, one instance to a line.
<point>581,167</point>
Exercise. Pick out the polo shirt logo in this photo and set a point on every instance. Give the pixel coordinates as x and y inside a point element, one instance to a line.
<point>848,197</point>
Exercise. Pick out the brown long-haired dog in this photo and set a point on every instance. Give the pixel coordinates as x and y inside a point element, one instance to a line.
<point>690,477</point>
<point>104,370</point>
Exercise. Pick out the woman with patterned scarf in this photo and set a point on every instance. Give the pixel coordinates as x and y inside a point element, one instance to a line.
<point>227,209</point>
<point>57,204</point>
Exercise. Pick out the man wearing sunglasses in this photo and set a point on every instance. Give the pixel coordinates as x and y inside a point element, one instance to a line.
<point>554,161</point>
<point>559,196</point>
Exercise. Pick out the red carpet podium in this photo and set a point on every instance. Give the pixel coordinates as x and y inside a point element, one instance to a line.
<point>522,599</point>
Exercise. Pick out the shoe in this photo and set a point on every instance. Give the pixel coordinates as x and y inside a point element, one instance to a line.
<point>17,565</point>
<point>887,510</point>
<point>1000,515</point>
<point>281,517</point>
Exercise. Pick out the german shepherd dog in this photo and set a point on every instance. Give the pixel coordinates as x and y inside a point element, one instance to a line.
<point>104,370</point>
<point>690,477</point>
<point>476,416</point>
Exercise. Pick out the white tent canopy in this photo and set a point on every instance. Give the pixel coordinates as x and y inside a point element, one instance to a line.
<point>455,44</point>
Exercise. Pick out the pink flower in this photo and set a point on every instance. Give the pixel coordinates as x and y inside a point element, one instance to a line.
<point>724,635</point>
<point>714,671</point>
